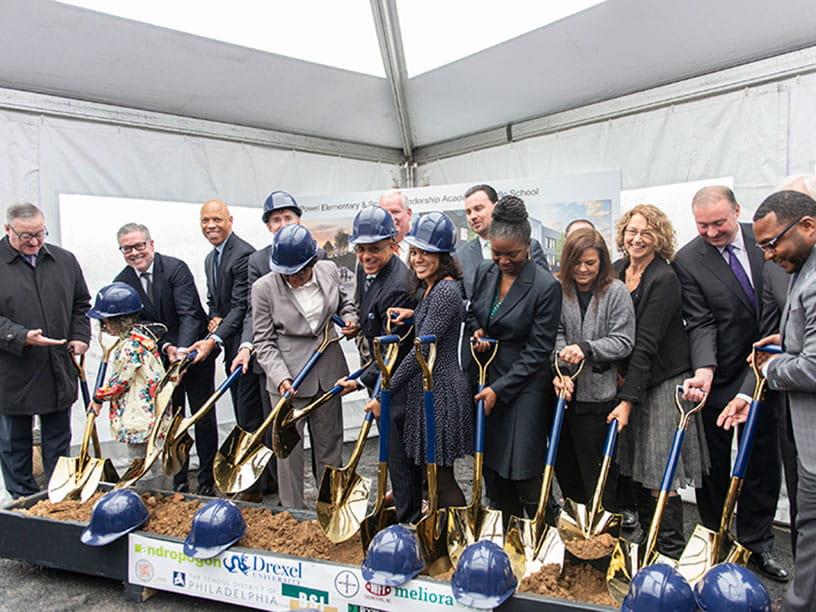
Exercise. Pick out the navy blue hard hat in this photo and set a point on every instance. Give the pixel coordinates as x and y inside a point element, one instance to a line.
<point>217,525</point>
<point>732,588</point>
<point>372,224</point>
<point>433,232</point>
<point>293,248</point>
<point>116,513</point>
<point>658,588</point>
<point>393,557</point>
<point>484,576</point>
<point>278,200</point>
<point>115,300</point>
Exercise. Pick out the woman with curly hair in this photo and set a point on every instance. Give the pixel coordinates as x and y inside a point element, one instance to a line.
<point>519,304</point>
<point>659,362</point>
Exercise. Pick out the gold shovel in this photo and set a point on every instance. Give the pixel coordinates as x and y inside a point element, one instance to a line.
<point>177,445</point>
<point>580,522</point>
<point>530,543</point>
<point>165,413</point>
<point>705,547</point>
<point>243,456</point>
<point>469,524</point>
<point>80,476</point>
<point>629,557</point>
<point>431,529</point>
<point>381,516</point>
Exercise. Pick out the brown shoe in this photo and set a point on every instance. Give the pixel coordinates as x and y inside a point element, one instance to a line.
<point>255,497</point>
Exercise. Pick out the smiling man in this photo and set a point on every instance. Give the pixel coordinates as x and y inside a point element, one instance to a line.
<point>167,290</point>
<point>721,275</point>
<point>43,301</point>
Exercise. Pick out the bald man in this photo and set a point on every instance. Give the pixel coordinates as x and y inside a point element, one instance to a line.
<point>227,294</point>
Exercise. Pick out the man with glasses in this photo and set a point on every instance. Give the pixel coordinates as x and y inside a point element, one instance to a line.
<point>43,301</point>
<point>167,290</point>
<point>721,275</point>
<point>785,226</point>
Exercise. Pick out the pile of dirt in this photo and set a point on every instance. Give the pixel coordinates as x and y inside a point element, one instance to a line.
<point>170,515</point>
<point>580,582</point>
<point>283,533</point>
<point>66,510</point>
<point>595,548</point>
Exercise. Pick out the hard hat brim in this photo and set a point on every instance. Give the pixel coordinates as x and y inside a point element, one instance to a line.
<point>370,239</point>
<point>206,552</point>
<point>278,269</point>
<point>91,538</point>
<point>426,246</point>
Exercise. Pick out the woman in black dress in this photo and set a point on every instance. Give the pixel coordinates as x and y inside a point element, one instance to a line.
<point>439,312</point>
<point>519,304</point>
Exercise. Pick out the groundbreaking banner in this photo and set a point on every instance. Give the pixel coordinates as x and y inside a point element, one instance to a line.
<point>267,582</point>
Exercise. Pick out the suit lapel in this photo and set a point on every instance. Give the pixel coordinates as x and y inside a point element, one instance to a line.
<point>158,284</point>
<point>520,288</point>
<point>208,268</point>
<point>712,259</point>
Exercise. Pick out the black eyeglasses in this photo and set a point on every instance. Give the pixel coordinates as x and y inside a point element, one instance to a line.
<point>139,246</point>
<point>770,245</point>
<point>28,236</point>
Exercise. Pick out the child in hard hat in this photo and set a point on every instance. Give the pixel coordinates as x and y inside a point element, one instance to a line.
<point>136,370</point>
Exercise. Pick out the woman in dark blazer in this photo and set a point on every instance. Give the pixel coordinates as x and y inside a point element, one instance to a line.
<point>659,362</point>
<point>519,304</point>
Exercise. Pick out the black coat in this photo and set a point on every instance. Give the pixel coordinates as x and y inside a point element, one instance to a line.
<point>720,321</point>
<point>661,346</point>
<point>525,326</point>
<point>469,256</point>
<point>52,297</point>
<point>229,298</point>
<point>174,302</point>
<point>390,289</point>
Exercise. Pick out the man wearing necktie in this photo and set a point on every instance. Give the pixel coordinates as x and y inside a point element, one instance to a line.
<point>721,275</point>
<point>227,296</point>
<point>43,301</point>
<point>168,292</point>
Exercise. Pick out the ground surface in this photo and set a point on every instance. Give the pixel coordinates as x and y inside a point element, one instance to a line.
<point>26,587</point>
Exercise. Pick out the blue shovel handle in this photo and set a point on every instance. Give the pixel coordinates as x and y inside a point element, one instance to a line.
<point>747,442</point>
<point>336,389</point>
<point>773,349</point>
<point>230,380</point>
<point>427,339</point>
<point>611,438</point>
<point>480,423</point>
<point>86,395</point>
<point>555,431</point>
<point>674,456</point>
<point>390,339</point>
<point>338,320</point>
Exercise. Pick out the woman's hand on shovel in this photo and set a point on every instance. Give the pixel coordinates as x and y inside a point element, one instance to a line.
<point>489,396</point>
<point>95,406</point>
<point>620,412</point>
<point>373,405</point>
<point>566,384</point>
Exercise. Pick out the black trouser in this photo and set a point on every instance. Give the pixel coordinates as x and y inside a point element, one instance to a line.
<point>580,453</point>
<point>16,443</point>
<point>515,497</point>
<point>790,463</point>
<point>197,386</point>
<point>763,479</point>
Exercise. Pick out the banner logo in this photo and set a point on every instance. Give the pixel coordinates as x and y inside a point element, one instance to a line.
<point>347,584</point>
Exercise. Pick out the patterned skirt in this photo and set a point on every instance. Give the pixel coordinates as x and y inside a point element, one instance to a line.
<point>643,448</point>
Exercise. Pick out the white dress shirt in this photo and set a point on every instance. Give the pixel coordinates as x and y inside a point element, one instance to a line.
<point>310,299</point>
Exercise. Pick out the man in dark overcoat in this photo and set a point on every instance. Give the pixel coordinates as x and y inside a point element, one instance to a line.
<point>43,301</point>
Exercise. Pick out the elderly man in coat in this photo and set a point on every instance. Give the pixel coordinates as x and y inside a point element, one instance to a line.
<point>43,301</point>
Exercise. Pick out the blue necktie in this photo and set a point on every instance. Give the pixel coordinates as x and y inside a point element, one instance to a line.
<point>742,277</point>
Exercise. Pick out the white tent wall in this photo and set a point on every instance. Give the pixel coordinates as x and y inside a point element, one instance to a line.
<point>42,156</point>
<point>758,135</point>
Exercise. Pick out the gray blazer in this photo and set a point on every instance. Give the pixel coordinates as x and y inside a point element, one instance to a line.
<point>283,339</point>
<point>795,370</point>
<point>469,256</point>
<point>607,330</point>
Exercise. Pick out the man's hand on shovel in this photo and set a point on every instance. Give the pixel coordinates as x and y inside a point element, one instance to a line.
<point>735,413</point>
<point>761,357</point>
<point>203,347</point>
<point>489,396</point>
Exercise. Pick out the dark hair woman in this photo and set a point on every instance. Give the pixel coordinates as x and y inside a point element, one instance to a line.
<point>597,327</point>
<point>519,304</point>
<point>439,312</point>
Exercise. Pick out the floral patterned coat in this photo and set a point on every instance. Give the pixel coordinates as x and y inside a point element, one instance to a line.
<point>131,388</point>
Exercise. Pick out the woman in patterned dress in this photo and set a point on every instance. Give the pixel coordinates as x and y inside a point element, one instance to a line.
<point>439,312</point>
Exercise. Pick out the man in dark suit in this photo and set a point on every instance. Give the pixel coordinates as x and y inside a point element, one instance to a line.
<point>43,301</point>
<point>227,295</point>
<point>721,274</point>
<point>479,203</point>
<point>167,290</point>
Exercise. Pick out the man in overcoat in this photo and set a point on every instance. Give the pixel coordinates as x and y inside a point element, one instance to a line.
<point>43,301</point>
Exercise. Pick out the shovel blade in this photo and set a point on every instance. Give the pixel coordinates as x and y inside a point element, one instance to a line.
<point>699,555</point>
<point>284,439</point>
<point>431,532</point>
<point>93,474</point>
<point>529,550</point>
<point>491,526</point>
<point>175,454</point>
<point>239,463</point>
<point>462,530</point>
<point>573,522</point>
<point>379,519</point>
<point>623,566</point>
<point>66,479</point>
<point>342,503</point>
